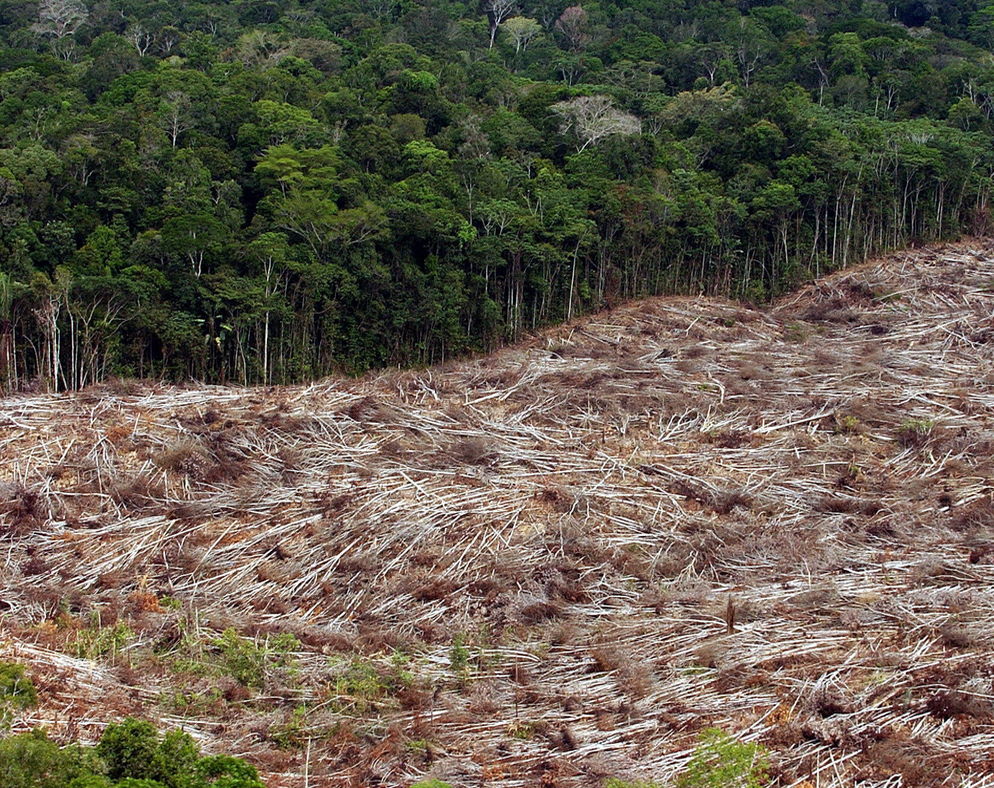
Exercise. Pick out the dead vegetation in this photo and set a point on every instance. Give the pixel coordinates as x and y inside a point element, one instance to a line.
<point>545,567</point>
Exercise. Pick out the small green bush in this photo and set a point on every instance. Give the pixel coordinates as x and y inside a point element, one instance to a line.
<point>170,603</point>
<point>914,432</point>
<point>846,423</point>
<point>17,692</point>
<point>721,761</point>
<point>242,659</point>
<point>364,683</point>
<point>16,689</point>
<point>95,642</point>
<point>247,661</point>
<point>459,654</point>
<point>291,734</point>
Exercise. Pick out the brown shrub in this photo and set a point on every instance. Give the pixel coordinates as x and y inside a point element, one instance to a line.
<point>364,410</point>
<point>688,365</point>
<point>183,456</point>
<point>749,371</point>
<point>226,470</point>
<point>433,588</point>
<point>634,679</point>
<point>113,579</point>
<point>567,739</point>
<point>606,659</point>
<point>557,499</point>
<point>22,509</point>
<point>538,611</point>
<point>520,674</point>
<point>831,310</point>
<point>563,633</point>
<point>953,703</point>
<point>140,602</point>
<point>959,636</point>
<point>35,565</point>
<point>839,504</point>
<point>472,451</point>
<point>190,510</point>
<point>484,699</point>
<point>979,552</point>
<point>976,514</point>
<point>122,387</point>
<point>859,290</point>
<point>728,439</point>
<point>137,492</point>
<point>829,700</point>
<point>724,501</point>
<point>374,637</point>
<point>568,589</point>
<point>414,698</point>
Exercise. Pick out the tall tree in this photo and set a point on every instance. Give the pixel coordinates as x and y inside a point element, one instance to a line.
<point>591,119</point>
<point>58,20</point>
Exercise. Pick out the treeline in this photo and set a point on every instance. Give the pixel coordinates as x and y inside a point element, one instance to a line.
<point>272,190</point>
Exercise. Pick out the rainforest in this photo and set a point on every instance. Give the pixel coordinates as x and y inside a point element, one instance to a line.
<point>269,191</point>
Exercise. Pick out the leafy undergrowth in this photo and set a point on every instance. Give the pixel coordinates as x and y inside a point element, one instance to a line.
<point>130,754</point>
<point>559,565</point>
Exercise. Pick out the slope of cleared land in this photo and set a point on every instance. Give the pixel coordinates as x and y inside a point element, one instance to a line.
<point>548,566</point>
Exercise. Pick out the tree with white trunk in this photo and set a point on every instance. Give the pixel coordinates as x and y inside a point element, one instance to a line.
<point>140,38</point>
<point>592,119</point>
<point>521,30</point>
<point>58,20</point>
<point>498,11</point>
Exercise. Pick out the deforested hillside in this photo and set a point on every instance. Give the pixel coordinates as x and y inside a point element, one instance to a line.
<point>550,566</point>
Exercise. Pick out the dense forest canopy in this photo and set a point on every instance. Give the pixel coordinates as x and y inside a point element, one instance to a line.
<point>270,190</point>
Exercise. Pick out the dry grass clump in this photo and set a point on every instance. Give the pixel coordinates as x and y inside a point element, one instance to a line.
<point>728,439</point>
<point>136,493</point>
<point>472,450</point>
<point>831,310</point>
<point>559,563</point>
<point>958,636</point>
<point>977,514</point>
<point>607,658</point>
<point>715,500</point>
<point>183,456</point>
<point>956,703</point>
<point>557,499</point>
<point>22,509</point>
<point>844,504</point>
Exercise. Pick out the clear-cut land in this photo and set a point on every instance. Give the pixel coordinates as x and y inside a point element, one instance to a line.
<point>548,566</point>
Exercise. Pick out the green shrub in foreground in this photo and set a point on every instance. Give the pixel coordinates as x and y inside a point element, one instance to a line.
<point>17,691</point>
<point>130,754</point>
<point>721,761</point>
